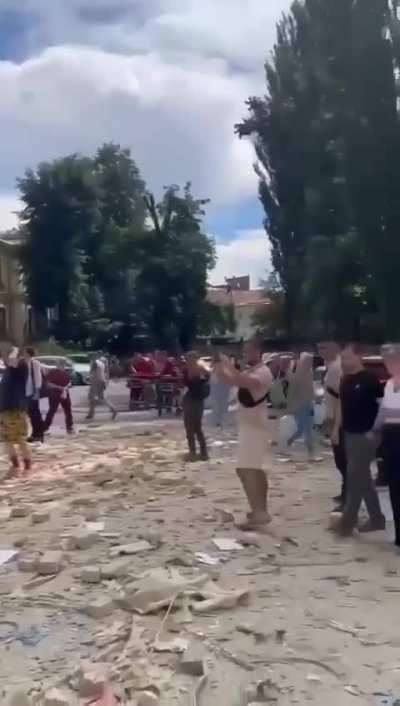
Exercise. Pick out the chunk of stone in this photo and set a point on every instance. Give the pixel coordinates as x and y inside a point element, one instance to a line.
<point>19,698</point>
<point>91,680</point>
<point>192,662</point>
<point>197,491</point>
<point>148,698</point>
<point>84,539</point>
<point>28,564</point>
<point>116,569</point>
<point>20,511</point>
<point>91,574</point>
<point>56,697</point>
<point>50,563</point>
<point>127,549</point>
<point>100,607</point>
<point>40,516</point>
<point>84,500</point>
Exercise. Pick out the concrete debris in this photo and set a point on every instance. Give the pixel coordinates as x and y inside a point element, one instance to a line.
<point>92,679</point>
<point>226,544</point>
<point>84,539</point>
<point>197,491</point>
<point>128,549</point>
<point>40,516</point>
<point>91,574</point>
<point>148,698</point>
<point>20,511</point>
<point>50,563</point>
<point>19,698</point>
<point>100,607</point>
<point>177,645</point>
<point>193,661</point>
<point>56,697</point>
<point>28,564</point>
<point>157,588</point>
<point>116,569</point>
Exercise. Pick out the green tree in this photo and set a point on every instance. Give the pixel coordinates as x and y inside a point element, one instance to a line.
<point>172,281</point>
<point>60,209</point>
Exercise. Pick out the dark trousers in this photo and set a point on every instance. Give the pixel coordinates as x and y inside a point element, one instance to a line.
<point>339,452</point>
<point>35,417</point>
<point>391,457</point>
<point>54,402</point>
<point>360,452</point>
<point>193,419</point>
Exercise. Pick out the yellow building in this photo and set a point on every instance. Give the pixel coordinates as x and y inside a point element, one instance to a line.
<point>16,315</point>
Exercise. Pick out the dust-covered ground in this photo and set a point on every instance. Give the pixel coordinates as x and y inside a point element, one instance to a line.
<point>305,616</point>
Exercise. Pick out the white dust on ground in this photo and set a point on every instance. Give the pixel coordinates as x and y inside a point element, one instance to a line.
<point>321,621</point>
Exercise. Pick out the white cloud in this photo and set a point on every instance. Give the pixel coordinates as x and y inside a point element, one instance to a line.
<point>9,205</point>
<point>178,120</point>
<point>248,254</point>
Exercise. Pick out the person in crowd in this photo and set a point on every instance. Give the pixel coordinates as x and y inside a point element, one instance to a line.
<point>388,427</point>
<point>254,384</point>
<point>300,401</point>
<point>58,383</point>
<point>220,395</point>
<point>34,383</point>
<point>197,389</point>
<point>13,416</point>
<point>98,387</point>
<point>164,366</point>
<point>330,352</point>
<point>360,392</point>
<point>143,366</point>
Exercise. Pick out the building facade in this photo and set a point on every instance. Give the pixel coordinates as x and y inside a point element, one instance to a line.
<point>16,315</point>
<point>246,303</point>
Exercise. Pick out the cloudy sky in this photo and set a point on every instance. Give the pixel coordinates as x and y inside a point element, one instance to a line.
<point>167,78</point>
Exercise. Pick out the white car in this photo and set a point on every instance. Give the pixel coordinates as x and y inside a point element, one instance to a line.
<point>81,363</point>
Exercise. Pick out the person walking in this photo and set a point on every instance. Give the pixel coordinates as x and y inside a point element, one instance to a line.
<point>360,392</point>
<point>254,384</point>
<point>197,389</point>
<point>388,427</point>
<point>34,383</point>
<point>58,382</point>
<point>330,352</point>
<point>97,388</point>
<point>13,416</point>
<point>300,401</point>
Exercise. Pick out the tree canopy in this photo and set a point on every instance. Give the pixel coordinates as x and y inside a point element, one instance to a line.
<point>111,261</point>
<point>327,140</point>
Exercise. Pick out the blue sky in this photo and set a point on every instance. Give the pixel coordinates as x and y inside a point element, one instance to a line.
<point>168,78</point>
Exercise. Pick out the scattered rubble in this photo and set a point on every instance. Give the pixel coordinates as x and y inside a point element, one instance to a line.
<point>50,563</point>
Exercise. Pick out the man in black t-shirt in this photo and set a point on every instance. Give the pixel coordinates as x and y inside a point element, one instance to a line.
<point>360,392</point>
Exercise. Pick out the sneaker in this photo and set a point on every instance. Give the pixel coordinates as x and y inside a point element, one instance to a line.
<point>369,526</point>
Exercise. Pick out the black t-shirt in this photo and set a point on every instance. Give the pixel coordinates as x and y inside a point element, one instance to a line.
<point>198,388</point>
<point>359,395</point>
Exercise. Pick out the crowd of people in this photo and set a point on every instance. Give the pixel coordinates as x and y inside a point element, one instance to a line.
<point>362,415</point>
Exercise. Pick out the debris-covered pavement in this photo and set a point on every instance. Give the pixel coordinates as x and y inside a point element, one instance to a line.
<point>124,581</point>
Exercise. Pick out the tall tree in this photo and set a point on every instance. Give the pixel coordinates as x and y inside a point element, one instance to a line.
<point>60,209</point>
<point>172,283</point>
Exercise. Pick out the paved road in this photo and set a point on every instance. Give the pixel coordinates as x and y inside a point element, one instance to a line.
<point>118,394</point>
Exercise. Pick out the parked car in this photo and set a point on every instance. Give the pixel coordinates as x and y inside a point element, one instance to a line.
<point>81,363</point>
<point>49,362</point>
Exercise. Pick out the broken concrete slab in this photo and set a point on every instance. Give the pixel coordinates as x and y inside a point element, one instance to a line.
<point>50,563</point>
<point>100,607</point>
<point>128,549</point>
<point>148,698</point>
<point>156,589</point>
<point>193,661</point>
<point>28,564</point>
<point>92,678</point>
<point>116,569</point>
<point>91,574</point>
<point>83,539</point>
<point>56,697</point>
<point>198,491</point>
<point>19,511</point>
<point>40,516</point>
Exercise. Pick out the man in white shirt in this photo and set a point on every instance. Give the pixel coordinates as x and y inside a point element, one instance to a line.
<point>97,387</point>
<point>330,352</point>
<point>33,386</point>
